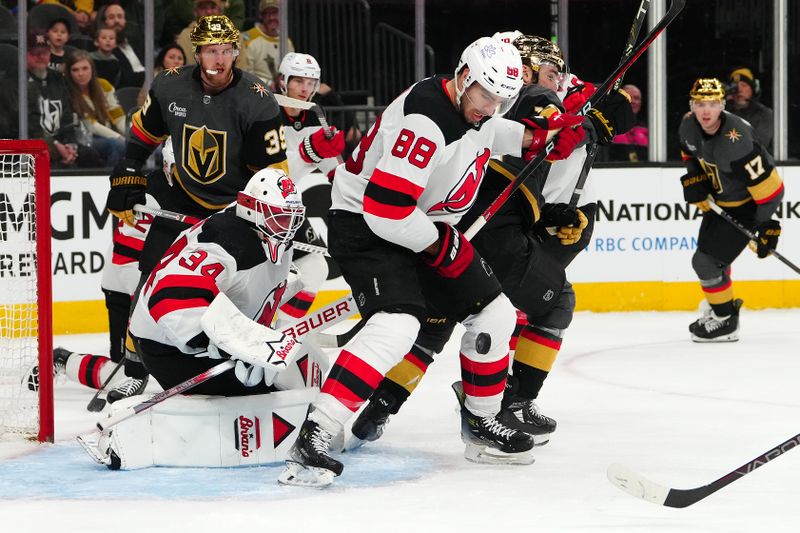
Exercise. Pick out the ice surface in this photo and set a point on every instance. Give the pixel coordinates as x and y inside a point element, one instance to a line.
<point>627,387</point>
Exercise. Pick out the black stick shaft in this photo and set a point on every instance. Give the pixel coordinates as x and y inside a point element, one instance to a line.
<point>674,10</point>
<point>592,149</point>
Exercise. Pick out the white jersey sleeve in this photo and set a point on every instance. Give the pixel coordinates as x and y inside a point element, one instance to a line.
<point>508,137</point>
<point>399,179</point>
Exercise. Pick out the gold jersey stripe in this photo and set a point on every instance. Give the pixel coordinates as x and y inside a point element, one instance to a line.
<point>528,194</point>
<point>766,188</point>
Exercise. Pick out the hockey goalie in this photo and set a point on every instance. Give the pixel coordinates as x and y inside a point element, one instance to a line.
<point>213,297</point>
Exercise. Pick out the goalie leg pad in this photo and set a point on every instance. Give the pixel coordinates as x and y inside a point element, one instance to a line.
<point>210,431</point>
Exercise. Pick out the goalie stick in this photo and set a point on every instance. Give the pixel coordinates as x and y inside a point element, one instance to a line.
<point>753,237</point>
<point>674,9</point>
<point>591,150</point>
<point>186,219</point>
<point>633,483</point>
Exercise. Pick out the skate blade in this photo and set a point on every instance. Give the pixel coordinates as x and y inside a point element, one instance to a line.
<point>540,440</point>
<point>488,456</point>
<point>733,337</point>
<point>299,475</point>
<point>91,444</point>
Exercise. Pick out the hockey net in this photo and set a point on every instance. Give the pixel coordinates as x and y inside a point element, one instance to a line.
<point>26,345</point>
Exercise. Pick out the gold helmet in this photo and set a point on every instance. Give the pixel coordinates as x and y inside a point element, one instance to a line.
<point>707,90</point>
<point>214,29</point>
<point>536,50</point>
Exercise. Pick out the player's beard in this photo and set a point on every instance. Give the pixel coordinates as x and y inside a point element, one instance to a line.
<point>215,81</point>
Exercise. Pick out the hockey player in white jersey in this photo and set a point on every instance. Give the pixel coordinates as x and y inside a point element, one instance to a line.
<point>211,297</point>
<point>526,258</point>
<point>309,149</point>
<point>395,203</point>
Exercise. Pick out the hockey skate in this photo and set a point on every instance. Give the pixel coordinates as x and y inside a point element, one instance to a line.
<point>371,422</point>
<point>531,420</point>
<point>308,463</point>
<point>490,439</point>
<point>60,356</point>
<point>126,388</point>
<point>98,446</point>
<point>713,328</point>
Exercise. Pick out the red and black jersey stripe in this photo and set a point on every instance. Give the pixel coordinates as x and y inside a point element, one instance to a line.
<point>390,196</point>
<point>89,370</point>
<point>483,379</point>
<point>180,291</point>
<point>351,380</point>
<point>299,304</point>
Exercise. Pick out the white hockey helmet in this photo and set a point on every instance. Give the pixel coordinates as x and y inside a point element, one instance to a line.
<point>271,203</point>
<point>496,66</point>
<point>507,36</point>
<point>168,153</point>
<point>297,64</point>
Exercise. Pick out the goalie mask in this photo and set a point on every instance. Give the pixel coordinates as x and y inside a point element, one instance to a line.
<point>536,51</point>
<point>302,65</point>
<point>495,66</point>
<point>271,203</point>
<point>214,29</point>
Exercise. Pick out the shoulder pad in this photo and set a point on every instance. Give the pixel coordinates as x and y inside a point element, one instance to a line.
<point>428,98</point>
<point>235,236</point>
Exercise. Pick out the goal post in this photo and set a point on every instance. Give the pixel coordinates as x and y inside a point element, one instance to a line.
<point>26,333</point>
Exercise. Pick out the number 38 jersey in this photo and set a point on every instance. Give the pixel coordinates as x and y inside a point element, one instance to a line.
<point>219,140</point>
<point>220,254</point>
<point>740,168</point>
<point>420,163</point>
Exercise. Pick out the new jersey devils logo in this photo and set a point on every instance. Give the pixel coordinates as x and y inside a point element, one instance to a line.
<point>286,186</point>
<point>270,306</point>
<point>462,195</point>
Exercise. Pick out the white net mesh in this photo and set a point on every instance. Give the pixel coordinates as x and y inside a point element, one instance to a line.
<point>19,406</point>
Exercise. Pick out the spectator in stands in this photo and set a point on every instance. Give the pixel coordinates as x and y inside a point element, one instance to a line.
<point>743,92</point>
<point>49,108</point>
<point>171,56</point>
<point>202,8</point>
<point>57,37</point>
<point>261,43</point>
<point>94,100</point>
<point>106,63</point>
<point>82,10</point>
<point>630,146</point>
<point>131,68</point>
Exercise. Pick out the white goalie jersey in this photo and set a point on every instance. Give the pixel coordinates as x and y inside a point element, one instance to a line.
<point>420,163</point>
<point>220,254</point>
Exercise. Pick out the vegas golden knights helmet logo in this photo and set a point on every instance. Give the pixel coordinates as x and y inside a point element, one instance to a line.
<point>204,153</point>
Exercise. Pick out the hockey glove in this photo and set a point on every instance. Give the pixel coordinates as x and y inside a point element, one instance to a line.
<point>566,142</point>
<point>540,126</point>
<point>696,189</point>
<point>572,234</point>
<point>577,96</point>
<point>128,186</point>
<point>768,234</point>
<point>569,222</point>
<point>612,116</point>
<point>455,252</point>
<point>317,146</point>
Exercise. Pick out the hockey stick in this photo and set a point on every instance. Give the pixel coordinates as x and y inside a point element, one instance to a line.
<point>752,236</point>
<point>288,101</point>
<point>96,404</point>
<point>186,219</point>
<point>674,9</point>
<point>592,149</point>
<point>641,487</point>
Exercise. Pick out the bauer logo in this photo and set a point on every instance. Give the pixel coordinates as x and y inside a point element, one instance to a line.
<point>247,435</point>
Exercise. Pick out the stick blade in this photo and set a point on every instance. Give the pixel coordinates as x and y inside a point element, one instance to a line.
<point>96,405</point>
<point>636,485</point>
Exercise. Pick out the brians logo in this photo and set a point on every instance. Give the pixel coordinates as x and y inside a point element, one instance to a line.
<point>247,434</point>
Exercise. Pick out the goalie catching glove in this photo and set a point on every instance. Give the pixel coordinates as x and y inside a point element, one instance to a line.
<point>128,186</point>
<point>318,146</point>
<point>235,336</point>
<point>569,221</point>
